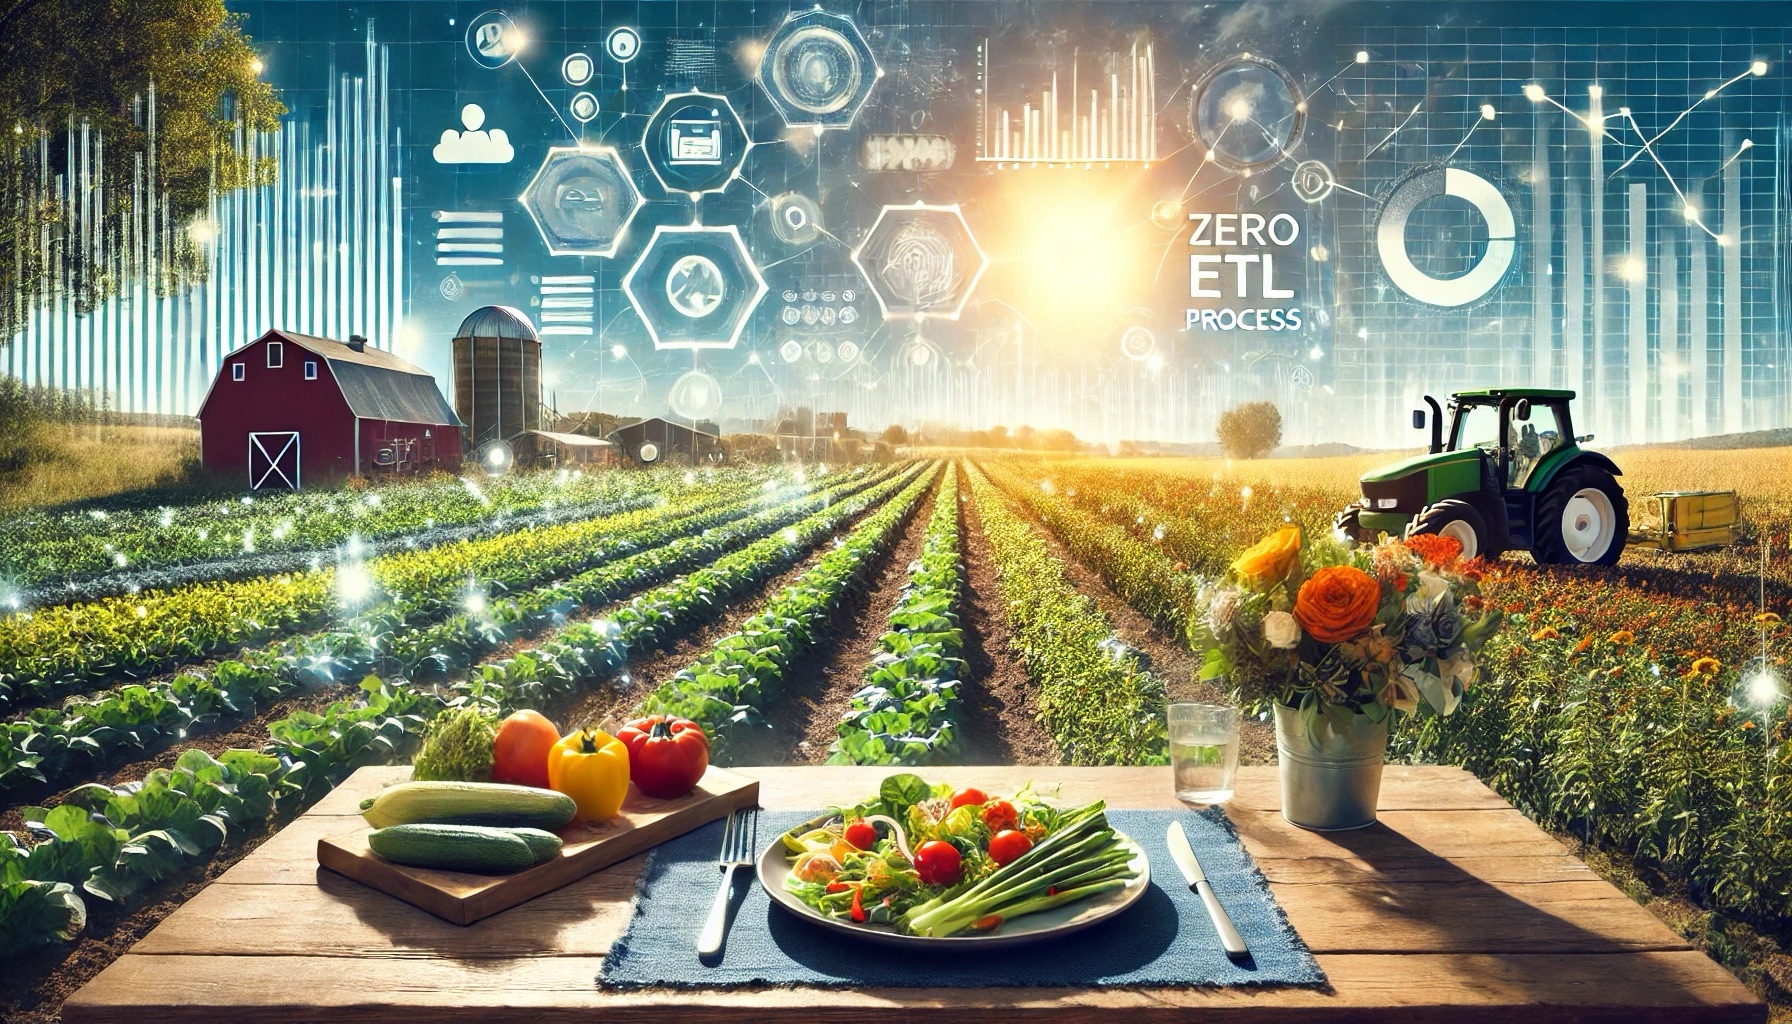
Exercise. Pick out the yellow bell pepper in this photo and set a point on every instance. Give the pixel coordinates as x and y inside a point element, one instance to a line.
<point>591,766</point>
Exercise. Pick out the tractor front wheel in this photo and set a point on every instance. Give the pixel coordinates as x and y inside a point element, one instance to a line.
<point>1348,524</point>
<point>1583,518</point>
<point>1456,519</point>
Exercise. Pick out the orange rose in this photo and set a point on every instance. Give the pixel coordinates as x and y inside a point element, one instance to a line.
<point>1269,560</point>
<point>1337,603</point>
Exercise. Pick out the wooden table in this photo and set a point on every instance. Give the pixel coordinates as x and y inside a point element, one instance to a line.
<point>1455,908</point>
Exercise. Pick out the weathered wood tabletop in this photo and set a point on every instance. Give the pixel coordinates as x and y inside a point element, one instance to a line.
<point>1455,908</point>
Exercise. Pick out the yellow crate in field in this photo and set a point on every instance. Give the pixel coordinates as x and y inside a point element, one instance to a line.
<point>1693,521</point>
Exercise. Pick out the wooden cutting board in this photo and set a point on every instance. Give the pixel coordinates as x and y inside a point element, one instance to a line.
<point>464,898</point>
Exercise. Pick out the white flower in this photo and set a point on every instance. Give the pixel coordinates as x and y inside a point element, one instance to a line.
<point>1432,586</point>
<point>1461,667</point>
<point>1280,629</point>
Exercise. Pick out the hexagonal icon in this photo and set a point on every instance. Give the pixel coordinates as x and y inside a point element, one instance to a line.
<point>818,70</point>
<point>922,261</point>
<point>694,286</point>
<point>582,200</point>
<point>695,143</point>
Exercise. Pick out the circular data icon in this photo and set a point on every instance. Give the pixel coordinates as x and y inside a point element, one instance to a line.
<point>1137,343</point>
<point>583,107</point>
<point>791,351</point>
<point>824,352</point>
<point>695,396</point>
<point>849,352</point>
<point>493,40</point>
<point>818,70</point>
<point>694,286</point>
<point>623,45</point>
<point>577,69</point>
<point>1248,113</point>
<point>796,219</point>
<point>1313,181</point>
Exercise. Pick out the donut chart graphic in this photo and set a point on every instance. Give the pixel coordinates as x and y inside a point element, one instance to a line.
<point>1488,272</point>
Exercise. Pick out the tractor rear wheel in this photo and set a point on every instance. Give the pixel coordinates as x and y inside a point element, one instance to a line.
<point>1457,519</point>
<point>1583,518</point>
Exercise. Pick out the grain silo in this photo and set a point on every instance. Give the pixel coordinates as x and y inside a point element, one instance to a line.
<point>497,375</point>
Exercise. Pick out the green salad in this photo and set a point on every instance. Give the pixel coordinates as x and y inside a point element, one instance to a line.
<point>930,860</point>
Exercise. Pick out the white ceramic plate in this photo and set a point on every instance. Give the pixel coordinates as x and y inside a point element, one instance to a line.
<point>775,865</point>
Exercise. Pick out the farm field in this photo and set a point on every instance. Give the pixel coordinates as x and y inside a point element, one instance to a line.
<point>975,609</point>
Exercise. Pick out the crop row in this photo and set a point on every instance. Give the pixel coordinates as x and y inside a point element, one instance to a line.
<point>311,752</point>
<point>257,562</point>
<point>1136,569</point>
<point>42,548</point>
<point>54,651</point>
<point>54,745</point>
<point>1099,705</point>
<point>907,712</point>
<point>728,689</point>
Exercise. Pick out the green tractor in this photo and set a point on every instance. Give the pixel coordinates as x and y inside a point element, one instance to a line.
<point>1512,475</point>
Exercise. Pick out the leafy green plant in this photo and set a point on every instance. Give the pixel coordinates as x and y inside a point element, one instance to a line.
<point>907,711</point>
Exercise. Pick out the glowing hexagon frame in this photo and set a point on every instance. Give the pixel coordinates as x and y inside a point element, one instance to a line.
<point>744,312</point>
<point>796,117</point>
<point>652,129</point>
<point>954,211</point>
<point>607,154</point>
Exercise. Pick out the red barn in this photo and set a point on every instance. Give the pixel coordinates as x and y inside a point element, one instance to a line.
<point>290,408</point>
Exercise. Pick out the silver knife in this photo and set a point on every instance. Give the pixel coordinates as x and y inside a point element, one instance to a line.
<point>1184,856</point>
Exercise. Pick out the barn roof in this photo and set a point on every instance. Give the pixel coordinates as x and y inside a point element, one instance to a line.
<point>376,384</point>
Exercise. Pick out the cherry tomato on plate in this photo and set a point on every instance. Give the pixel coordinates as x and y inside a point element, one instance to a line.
<point>969,796</point>
<point>999,815</point>
<point>861,835</point>
<point>1008,845</point>
<point>939,863</point>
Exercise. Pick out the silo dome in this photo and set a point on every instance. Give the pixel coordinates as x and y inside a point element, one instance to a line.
<point>497,374</point>
<point>506,322</point>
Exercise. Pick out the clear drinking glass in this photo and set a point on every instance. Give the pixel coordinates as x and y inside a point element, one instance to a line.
<point>1203,751</point>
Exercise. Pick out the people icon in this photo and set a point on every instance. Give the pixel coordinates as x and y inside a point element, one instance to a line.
<point>474,146</point>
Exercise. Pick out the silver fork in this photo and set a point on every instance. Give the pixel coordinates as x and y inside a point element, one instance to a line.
<point>739,841</point>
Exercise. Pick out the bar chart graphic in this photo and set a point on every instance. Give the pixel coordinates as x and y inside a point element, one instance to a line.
<point>1099,109</point>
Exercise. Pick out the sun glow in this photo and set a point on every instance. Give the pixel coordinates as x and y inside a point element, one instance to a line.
<point>1072,252</point>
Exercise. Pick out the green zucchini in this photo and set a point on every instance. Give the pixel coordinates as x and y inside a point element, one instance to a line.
<point>468,803</point>
<point>475,848</point>
<point>545,845</point>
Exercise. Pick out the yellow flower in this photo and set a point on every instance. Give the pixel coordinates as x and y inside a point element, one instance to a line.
<point>1706,667</point>
<point>1546,633</point>
<point>1622,637</point>
<point>1269,561</point>
<point>1767,617</point>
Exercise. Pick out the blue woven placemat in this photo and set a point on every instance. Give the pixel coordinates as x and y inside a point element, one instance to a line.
<point>1163,940</point>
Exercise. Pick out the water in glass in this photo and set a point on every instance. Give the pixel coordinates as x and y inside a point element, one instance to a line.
<point>1203,751</point>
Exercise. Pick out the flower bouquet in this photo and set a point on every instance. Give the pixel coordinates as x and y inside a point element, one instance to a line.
<point>1333,639</point>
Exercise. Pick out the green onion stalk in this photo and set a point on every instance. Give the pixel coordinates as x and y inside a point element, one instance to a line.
<point>1084,858</point>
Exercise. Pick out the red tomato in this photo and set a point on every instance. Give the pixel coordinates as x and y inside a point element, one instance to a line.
<point>666,756</point>
<point>520,750</point>
<point>968,796</point>
<point>999,815</point>
<point>861,835</point>
<point>938,863</point>
<point>1008,845</point>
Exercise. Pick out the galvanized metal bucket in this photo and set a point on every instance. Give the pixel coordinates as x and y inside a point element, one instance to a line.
<point>1330,781</point>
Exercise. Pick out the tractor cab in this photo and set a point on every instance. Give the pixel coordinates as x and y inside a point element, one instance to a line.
<point>1518,433</point>
<point>1504,470</point>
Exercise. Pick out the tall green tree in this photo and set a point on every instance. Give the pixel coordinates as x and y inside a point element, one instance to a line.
<point>67,61</point>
